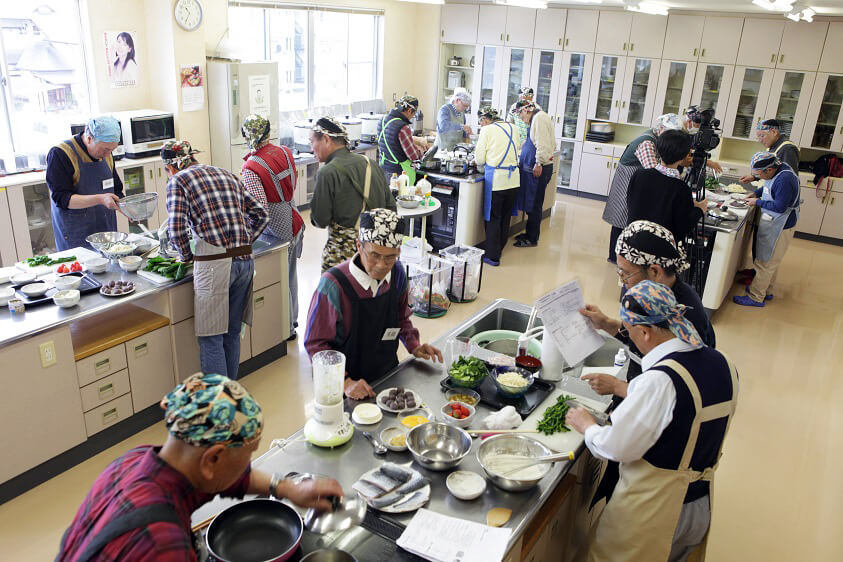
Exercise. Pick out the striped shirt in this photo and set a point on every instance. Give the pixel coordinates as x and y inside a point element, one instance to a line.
<point>212,203</point>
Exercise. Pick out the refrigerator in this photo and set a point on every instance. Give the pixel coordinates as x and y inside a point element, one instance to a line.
<point>235,90</point>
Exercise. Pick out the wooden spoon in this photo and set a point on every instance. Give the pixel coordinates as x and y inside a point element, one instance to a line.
<point>498,516</point>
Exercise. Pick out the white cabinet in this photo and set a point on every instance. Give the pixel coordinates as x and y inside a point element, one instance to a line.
<point>458,23</point>
<point>683,37</point>
<point>506,25</point>
<point>581,30</point>
<point>675,86</point>
<point>545,78</point>
<point>802,45</point>
<point>550,29</point>
<point>711,86</point>
<point>570,156</point>
<point>499,76</point>
<point>721,39</point>
<point>613,32</point>
<point>833,220</point>
<point>788,102</point>
<point>268,329</point>
<point>571,105</point>
<point>831,60</point>
<point>747,101</point>
<point>595,173</point>
<point>824,123</point>
<point>491,25</point>
<point>607,76</point>
<point>29,207</point>
<point>150,359</point>
<point>638,95</point>
<point>646,36</point>
<point>760,42</point>
<point>139,179</point>
<point>8,252</point>
<point>811,210</point>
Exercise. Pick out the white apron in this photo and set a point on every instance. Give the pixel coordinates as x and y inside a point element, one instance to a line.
<point>211,281</point>
<point>639,522</point>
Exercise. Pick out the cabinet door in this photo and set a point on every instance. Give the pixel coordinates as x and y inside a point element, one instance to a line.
<point>544,78</point>
<point>824,124</point>
<point>488,62</point>
<point>300,194</point>
<point>711,86</point>
<point>721,39</point>
<point>676,85</point>
<point>613,33</point>
<point>520,26</point>
<point>136,180</point>
<point>581,30</point>
<point>491,25</point>
<point>267,329</point>
<point>516,66</point>
<point>595,171</point>
<point>32,223</point>
<point>8,252</point>
<point>606,85</point>
<point>802,45</point>
<point>639,91</point>
<point>760,42</point>
<point>683,37</point>
<point>550,28</point>
<point>150,359</point>
<point>646,36</point>
<point>185,348</point>
<point>811,210</point>
<point>747,102</point>
<point>833,220</point>
<point>161,179</point>
<point>459,23</point>
<point>831,60</point>
<point>570,156</point>
<point>790,96</point>
<point>572,105</point>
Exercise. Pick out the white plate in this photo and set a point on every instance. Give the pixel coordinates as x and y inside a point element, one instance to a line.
<point>389,508</point>
<point>355,415</point>
<point>123,294</point>
<point>384,393</point>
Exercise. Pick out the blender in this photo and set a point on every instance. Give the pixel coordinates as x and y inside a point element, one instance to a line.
<point>330,425</point>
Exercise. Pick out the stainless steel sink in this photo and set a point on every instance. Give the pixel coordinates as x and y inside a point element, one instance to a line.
<point>499,319</point>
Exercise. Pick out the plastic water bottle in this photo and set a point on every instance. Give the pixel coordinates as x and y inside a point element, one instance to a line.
<point>423,188</point>
<point>393,182</point>
<point>620,358</point>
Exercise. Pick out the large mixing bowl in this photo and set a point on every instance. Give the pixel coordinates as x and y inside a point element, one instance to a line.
<point>438,446</point>
<point>513,445</point>
<point>104,242</point>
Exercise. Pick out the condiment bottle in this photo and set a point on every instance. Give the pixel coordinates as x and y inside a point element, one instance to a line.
<point>403,184</point>
<point>620,358</point>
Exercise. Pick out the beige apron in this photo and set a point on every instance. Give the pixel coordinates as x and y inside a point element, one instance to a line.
<point>341,239</point>
<point>211,280</point>
<point>639,521</point>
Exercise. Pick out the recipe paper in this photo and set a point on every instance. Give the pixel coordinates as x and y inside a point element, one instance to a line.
<point>448,539</point>
<point>573,333</point>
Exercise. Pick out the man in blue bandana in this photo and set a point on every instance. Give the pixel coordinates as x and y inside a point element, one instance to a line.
<point>84,185</point>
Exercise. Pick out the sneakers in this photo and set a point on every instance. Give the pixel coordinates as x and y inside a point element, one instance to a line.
<point>522,236</point>
<point>489,261</point>
<point>746,300</point>
<point>769,297</point>
<point>524,243</point>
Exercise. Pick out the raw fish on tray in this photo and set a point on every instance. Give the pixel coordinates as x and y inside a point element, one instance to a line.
<point>386,500</point>
<point>381,480</point>
<point>393,488</point>
<point>397,472</point>
<point>416,481</point>
<point>411,502</point>
<point>367,490</point>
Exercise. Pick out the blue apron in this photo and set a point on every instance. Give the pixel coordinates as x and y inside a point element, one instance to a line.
<point>529,182</point>
<point>72,226</point>
<point>489,175</point>
<point>771,223</point>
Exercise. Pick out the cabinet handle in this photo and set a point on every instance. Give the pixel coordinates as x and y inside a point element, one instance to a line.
<point>703,52</point>
<point>695,52</point>
<point>109,415</point>
<point>507,36</point>
<point>781,58</point>
<point>560,41</point>
<point>608,163</point>
<point>616,165</point>
<point>567,41</point>
<point>501,36</point>
<point>259,302</point>
<point>104,364</point>
<point>841,130</point>
<point>106,390</point>
<point>623,105</point>
<point>624,46</point>
<point>832,201</point>
<point>616,103</point>
<point>631,47</point>
<point>773,58</point>
<point>141,349</point>
<point>442,33</point>
<point>159,172</point>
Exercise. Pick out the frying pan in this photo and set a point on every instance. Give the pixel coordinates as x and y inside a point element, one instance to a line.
<point>256,530</point>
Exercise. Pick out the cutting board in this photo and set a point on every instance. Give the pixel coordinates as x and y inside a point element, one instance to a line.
<point>154,277</point>
<point>82,254</point>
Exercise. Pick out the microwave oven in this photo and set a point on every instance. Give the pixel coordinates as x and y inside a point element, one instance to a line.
<point>116,154</point>
<point>145,131</point>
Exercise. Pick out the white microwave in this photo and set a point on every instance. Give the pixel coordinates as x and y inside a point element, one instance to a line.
<point>145,131</point>
<point>116,154</point>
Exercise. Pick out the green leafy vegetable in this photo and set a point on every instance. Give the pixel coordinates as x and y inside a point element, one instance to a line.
<point>36,261</point>
<point>167,267</point>
<point>553,420</point>
<point>711,182</point>
<point>468,369</point>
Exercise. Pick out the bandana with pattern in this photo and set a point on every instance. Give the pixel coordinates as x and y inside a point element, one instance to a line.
<point>521,104</point>
<point>330,127</point>
<point>526,91</point>
<point>488,112</point>
<point>406,102</point>
<point>255,130</point>
<point>208,410</point>
<point>667,122</point>
<point>647,243</point>
<point>177,153</point>
<point>765,126</point>
<point>382,227</point>
<point>764,160</point>
<point>659,304</point>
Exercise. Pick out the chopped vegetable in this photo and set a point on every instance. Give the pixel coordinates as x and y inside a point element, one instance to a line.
<point>413,421</point>
<point>464,398</point>
<point>457,411</point>
<point>553,420</point>
<point>468,370</point>
<point>398,441</point>
<point>35,261</point>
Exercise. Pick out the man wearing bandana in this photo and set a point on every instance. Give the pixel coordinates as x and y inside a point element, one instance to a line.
<point>361,307</point>
<point>667,435</point>
<point>770,135</point>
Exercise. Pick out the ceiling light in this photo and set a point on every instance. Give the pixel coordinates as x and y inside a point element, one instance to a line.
<point>645,7</point>
<point>774,5</point>
<point>532,4</point>
<point>424,1</point>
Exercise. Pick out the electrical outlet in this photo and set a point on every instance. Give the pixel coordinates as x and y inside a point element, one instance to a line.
<point>48,353</point>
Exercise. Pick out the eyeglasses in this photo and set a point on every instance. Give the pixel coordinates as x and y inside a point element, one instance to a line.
<point>625,277</point>
<point>374,256</point>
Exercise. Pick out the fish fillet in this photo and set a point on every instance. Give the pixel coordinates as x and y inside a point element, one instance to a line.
<point>415,483</point>
<point>397,472</point>
<point>414,501</point>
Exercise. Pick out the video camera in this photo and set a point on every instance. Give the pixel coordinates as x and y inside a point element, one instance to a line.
<point>705,139</point>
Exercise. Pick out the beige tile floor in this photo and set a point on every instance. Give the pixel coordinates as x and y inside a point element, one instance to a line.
<point>779,493</point>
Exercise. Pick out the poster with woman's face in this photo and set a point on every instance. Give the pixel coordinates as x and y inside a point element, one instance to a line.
<point>121,58</point>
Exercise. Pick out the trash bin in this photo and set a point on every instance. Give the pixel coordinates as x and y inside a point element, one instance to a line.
<point>467,270</point>
<point>429,281</point>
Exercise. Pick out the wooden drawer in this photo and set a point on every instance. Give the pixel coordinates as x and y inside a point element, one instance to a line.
<point>598,148</point>
<point>267,328</point>
<point>101,365</point>
<point>108,414</point>
<point>102,391</point>
<point>150,359</point>
<point>185,349</point>
<point>181,302</point>
<point>268,270</point>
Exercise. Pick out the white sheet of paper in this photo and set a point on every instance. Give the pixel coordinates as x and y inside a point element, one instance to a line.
<point>448,539</point>
<point>572,332</point>
<point>192,99</point>
<point>259,95</point>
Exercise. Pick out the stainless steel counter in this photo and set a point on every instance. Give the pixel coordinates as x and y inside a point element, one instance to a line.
<point>47,316</point>
<point>735,225</point>
<point>348,462</point>
<point>307,160</point>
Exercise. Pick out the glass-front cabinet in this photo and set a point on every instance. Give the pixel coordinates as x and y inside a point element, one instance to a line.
<point>606,86</point>
<point>676,85</point>
<point>517,63</point>
<point>788,102</point>
<point>570,154</point>
<point>571,105</point>
<point>544,79</point>
<point>747,102</point>
<point>639,91</point>
<point>29,206</point>
<point>711,87</point>
<point>824,126</point>
<point>499,74</point>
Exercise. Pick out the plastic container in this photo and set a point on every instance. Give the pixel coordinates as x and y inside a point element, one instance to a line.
<point>404,184</point>
<point>429,281</point>
<point>620,358</point>
<point>424,189</point>
<point>467,271</point>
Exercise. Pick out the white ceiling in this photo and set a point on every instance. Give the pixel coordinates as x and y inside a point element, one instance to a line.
<point>823,7</point>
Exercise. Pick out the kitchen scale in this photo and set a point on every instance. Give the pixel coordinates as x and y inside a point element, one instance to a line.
<point>330,425</point>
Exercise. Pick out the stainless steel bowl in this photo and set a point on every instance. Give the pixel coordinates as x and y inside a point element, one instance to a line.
<point>512,445</point>
<point>103,241</point>
<point>329,556</point>
<point>438,446</point>
<point>408,201</point>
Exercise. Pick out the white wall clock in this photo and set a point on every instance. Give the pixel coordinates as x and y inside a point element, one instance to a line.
<point>188,14</point>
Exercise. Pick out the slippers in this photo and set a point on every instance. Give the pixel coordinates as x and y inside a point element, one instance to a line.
<point>489,261</point>
<point>769,297</point>
<point>746,300</point>
<point>524,243</point>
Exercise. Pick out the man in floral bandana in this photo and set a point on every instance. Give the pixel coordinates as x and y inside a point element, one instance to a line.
<point>139,508</point>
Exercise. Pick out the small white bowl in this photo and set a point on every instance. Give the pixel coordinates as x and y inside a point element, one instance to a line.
<point>130,263</point>
<point>6,274</point>
<point>96,265</point>
<point>66,298</point>
<point>366,414</point>
<point>35,289</point>
<point>66,282</point>
<point>6,293</point>
<point>461,423</point>
<point>21,278</point>
<point>476,480</point>
<point>391,433</point>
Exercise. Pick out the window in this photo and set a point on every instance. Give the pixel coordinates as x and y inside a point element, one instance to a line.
<point>44,83</point>
<point>325,57</point>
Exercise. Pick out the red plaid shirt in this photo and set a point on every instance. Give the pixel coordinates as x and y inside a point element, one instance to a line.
<point>137,479</point>
<point>646,154</point>
<point>405,137</point>
<point>214,204</point>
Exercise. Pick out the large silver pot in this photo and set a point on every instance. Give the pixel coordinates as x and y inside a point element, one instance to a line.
<point>456,166</point>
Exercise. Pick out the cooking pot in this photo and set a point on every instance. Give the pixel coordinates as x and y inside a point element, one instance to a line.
<point>455,61</point>
<point>457,166</point>
<point>369,132</point>
<point>301,134</point>
<point>354,127</point>
<point>255,530</point>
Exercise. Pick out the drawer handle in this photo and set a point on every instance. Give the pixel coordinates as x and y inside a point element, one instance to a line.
<point>507,36</point>
<point>703,52</point>
<point>567,41</point>
<point>631,47</point>
<point>259,301</point>
<point>106,390</point>
<point>501,36</point>
<point>150,173</point>
<point>781,58</point>
<point>832,201</point>
<point>141,349</point>
<point>560,41</point>
<point>623,105</point>
<point>695,52</point>
<point>624,46</point>
<point>103,364</point>
<point>442,33</point>
<point>109,416</point>
<point>608,164</point>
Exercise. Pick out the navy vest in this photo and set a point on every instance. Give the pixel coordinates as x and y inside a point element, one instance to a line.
<point>628,157</point>
<point>711,373</point>
<point>390,139</point>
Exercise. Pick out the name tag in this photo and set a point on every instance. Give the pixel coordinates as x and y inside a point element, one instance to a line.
<point>108,184</point>
<point>390,334</point>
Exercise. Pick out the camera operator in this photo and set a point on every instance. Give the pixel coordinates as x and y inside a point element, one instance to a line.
<point>769,134</point>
